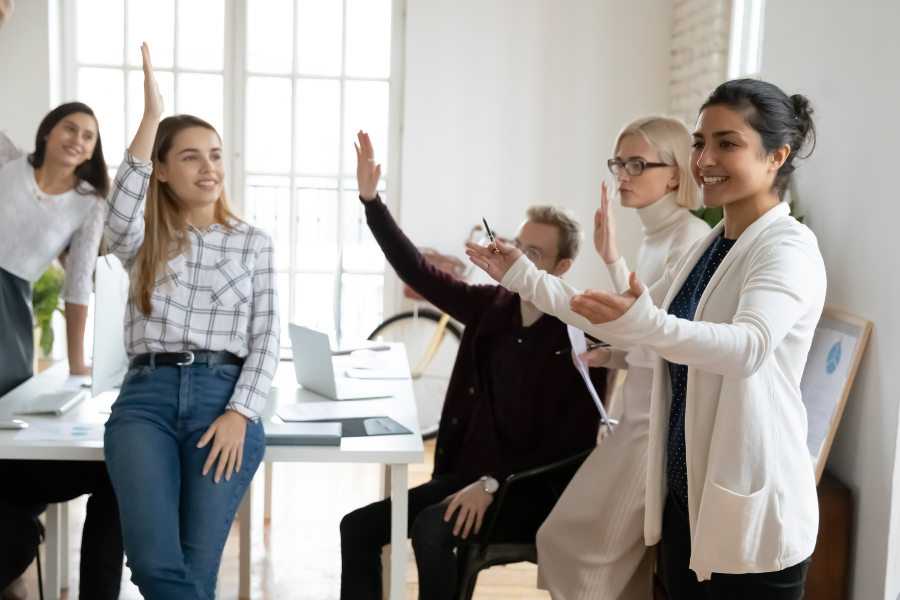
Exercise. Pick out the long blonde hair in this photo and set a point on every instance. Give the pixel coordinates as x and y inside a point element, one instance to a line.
<point>672,140</point>
<point>166,230</point>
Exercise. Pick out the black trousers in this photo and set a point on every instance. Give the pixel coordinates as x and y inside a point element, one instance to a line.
<point>364,532</point>
<point>27,486</point>
<point>681,582</point>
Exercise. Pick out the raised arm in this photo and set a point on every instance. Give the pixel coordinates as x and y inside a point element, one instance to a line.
<point>780,289</point>
<point>606,244</point>
<point>124,225</point>
<point>450,295</point>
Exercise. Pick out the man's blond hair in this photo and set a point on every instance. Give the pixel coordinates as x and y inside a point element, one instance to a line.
<point>565,222</point>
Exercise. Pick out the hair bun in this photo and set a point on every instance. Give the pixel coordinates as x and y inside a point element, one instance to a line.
<point>803,112</point>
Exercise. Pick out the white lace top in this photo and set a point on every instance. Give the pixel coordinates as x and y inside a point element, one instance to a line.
<point>35,227</point>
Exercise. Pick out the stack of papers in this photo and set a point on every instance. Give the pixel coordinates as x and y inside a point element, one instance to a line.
<point>61,432</point>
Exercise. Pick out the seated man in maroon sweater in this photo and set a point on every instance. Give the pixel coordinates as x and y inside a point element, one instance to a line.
<point>512,404</point>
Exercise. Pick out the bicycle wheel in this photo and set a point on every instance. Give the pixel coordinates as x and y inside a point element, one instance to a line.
<point>430,380</point>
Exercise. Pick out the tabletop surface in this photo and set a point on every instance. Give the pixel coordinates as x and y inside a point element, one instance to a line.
<point>388,449</point>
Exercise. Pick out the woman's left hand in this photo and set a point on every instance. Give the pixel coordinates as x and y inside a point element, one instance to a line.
<point>602,307</point>
<point>227,433</point>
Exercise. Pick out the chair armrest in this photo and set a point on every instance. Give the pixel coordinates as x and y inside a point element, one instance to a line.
<point>573,460</point>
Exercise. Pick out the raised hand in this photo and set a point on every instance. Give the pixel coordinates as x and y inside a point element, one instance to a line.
<point>602,307</point>
<point>142,146</point>
<point>605,229</point>
<point>6,9</point>
<point>495,260</point>
<point>153,100</point>
<point>367,172</point>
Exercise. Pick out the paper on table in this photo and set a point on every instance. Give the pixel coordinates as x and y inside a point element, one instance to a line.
<point>61,432</point>
<point>576,337</point>
<point>319,411</point>
<point>378,373</point>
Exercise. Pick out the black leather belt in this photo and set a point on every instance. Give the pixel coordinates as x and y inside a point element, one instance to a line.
<point>186,357</point>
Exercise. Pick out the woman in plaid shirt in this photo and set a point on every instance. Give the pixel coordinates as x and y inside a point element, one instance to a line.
<point>201,329</point>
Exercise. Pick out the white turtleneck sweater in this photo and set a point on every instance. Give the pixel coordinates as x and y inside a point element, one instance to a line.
<point>669,232</point>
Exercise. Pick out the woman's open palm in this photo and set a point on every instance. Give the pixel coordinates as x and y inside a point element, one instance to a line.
<point>602,307</point>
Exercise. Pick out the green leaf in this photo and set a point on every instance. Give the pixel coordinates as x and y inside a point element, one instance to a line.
<point>45,300</point>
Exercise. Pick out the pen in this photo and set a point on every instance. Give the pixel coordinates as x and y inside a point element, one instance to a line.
<point>489,232</point>
<point>590,347</point>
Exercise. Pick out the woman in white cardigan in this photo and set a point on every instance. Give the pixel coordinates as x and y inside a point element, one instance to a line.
<point>592,544</point>
<point>730,488</point>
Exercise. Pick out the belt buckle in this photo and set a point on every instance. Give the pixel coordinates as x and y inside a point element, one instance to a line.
<point>190,360</point>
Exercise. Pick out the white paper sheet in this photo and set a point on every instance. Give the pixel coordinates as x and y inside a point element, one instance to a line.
<point>823,381</point>
<point>318,411</point>
<point>61,432</point>
<point>576,337</point>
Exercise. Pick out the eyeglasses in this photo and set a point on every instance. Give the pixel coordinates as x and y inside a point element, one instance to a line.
<point>531,253</point>
<point>633,167</point>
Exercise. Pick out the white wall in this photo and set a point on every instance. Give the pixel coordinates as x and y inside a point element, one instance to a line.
<point>843,56</point>
<point>25,93</point>
<point>515,102</point>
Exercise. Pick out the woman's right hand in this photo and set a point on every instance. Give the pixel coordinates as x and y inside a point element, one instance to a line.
<point>141,147</point>
<point>605,229</point>
<point>596,358</point>
<point>367,172</point>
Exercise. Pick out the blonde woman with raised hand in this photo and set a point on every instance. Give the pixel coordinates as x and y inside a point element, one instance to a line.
<point>201,329</point>
<point>592,544</point>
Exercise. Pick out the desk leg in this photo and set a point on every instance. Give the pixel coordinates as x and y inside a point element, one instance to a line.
<point>244,512</point>
<point>52,532</point>
<point>267,498</point>
<point>64,545</point>
<point>399,512</point>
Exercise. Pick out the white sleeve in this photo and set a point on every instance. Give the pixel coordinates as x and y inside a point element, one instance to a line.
<point>778,290</point>
<point>83,250</point>
<point>8,150</point>
<point>619,274</point>
<point>124,226</point>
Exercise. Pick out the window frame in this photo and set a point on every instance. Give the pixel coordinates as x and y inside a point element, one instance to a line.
<point>745,45</point>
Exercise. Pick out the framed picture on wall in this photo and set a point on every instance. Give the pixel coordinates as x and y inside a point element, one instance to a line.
<point>834,357</point>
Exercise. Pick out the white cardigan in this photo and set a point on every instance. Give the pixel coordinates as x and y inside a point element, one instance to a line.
<point>751,487</point>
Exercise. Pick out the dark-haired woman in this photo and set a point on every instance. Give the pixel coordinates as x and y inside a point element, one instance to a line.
<point>730,491</point>
<point>52,201</point>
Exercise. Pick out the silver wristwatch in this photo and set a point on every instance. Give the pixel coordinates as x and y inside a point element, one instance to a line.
<point>490,484</point>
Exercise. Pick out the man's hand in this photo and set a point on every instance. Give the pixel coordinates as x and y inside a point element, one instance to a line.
<point>602,307</point>
<point>472,502</point>
<point>495,260</point>
<point>367,172</point>
<point>227,434</point>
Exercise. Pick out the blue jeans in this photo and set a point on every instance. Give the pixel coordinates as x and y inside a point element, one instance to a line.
<point>175,520</point>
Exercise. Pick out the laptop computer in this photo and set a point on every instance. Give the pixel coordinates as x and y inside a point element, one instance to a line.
<point>316,372</point>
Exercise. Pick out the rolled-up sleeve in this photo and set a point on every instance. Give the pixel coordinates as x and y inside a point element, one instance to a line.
<point>252,388</point>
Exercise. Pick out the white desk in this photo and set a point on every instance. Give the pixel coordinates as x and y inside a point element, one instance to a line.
<point>396,451</point>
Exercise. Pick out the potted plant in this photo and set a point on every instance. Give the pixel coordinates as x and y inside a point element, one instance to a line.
<point>45,300</point>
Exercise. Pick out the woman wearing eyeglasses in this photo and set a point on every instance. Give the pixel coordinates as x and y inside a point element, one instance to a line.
<point>592,544</point>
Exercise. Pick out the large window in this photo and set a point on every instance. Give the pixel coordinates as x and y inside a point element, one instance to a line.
<point>288,83</point>
<point>745,49</point>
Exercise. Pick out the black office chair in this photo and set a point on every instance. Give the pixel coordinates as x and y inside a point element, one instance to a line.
<point>474,558</point>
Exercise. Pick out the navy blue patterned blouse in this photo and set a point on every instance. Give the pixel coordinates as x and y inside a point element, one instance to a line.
<point>684,306</point>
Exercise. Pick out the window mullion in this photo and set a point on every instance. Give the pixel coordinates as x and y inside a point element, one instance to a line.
<point>293,213</point>
<point>124,68</point>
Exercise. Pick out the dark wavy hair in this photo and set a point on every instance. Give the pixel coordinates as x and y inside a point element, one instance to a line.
<point>778,118</point>
<point>93,170</point>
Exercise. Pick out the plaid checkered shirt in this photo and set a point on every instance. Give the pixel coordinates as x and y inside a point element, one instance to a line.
<point>220,295</point>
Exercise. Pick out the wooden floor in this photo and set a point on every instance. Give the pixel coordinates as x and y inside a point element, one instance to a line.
<point>298,555</point>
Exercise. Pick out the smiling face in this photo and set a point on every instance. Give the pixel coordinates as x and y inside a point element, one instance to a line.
<point>728,161</point>
<point>193,167</point>
<point>72,140</point>
<point>651,185</point>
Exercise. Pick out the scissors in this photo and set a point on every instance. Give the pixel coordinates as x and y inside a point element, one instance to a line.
<point>489,232</point>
